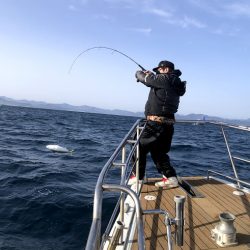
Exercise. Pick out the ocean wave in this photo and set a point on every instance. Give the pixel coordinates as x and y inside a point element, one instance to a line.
<point>47,197</point>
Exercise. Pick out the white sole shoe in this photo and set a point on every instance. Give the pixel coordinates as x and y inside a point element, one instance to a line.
<point>170,182</point>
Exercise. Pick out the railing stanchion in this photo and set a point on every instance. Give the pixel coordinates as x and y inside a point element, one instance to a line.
<point>122,194</point>
<point>138,210</point>
<point>137,157</point>
<point>231,158</point>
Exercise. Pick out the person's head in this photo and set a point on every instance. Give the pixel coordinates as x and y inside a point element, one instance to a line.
<point>164,67</point>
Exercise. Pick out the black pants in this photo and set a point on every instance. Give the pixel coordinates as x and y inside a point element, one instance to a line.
<point>156,139</point>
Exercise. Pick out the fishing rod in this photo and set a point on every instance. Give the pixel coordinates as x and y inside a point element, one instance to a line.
<point>102,47</point>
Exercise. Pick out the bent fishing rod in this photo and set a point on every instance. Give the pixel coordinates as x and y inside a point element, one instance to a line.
<point>102,47</point>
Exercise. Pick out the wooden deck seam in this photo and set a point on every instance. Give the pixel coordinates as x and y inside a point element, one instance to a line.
<point>201,233</point>
<point>228,192</point>
<point>221,203</point>
<point>199,223</point>
<point>194,222</point>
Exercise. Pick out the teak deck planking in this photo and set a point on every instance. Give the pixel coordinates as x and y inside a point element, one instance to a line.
<point>201,214</point>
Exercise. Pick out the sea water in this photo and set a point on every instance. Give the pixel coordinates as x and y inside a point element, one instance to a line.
<point>47,198</point>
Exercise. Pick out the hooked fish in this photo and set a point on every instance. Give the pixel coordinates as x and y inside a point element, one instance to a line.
<point>59,149</point>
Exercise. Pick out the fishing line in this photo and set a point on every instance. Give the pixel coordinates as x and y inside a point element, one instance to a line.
<point>102,47</point>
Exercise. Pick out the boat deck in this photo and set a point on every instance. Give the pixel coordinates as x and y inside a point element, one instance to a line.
<point>201,214</point>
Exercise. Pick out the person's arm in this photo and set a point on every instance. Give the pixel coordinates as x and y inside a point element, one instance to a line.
<point>151,80</point>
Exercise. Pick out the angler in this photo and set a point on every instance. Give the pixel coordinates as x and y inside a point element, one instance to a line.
<point>166,88</point>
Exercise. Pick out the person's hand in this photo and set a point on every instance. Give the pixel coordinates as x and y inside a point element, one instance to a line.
<point>147,72</point>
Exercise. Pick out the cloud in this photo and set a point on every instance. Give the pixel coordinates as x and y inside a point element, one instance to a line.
<point>188,21</point>
<point>103,17</point>
<point>226,30</point>
<point>160,12</point>
<point>145,31</point>
<point>224,8</point>
<point>72,7</point>
<point>119,1</point>
<point>239,9</point>
<point>84,1</point>
<point>125,3</point>
<point>76,5</point>
<point>171,18</point>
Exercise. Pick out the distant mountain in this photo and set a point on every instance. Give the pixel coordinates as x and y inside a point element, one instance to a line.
<point>88,109</point>
<point>64,106</point>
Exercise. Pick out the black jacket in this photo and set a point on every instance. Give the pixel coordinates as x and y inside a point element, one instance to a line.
<point>165,92</point>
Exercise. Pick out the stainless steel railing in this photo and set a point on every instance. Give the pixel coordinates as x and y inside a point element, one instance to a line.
<point>210,172</point>
<point>223,125</point>
<point>131,139</point>
<point>231,157</point>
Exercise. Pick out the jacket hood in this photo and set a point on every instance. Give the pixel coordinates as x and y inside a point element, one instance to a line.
<point>176,72</point>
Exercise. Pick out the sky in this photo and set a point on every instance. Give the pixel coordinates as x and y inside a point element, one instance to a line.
<point>208,40</point>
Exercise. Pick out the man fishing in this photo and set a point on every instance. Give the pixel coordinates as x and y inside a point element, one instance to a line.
<point>165,90</point>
